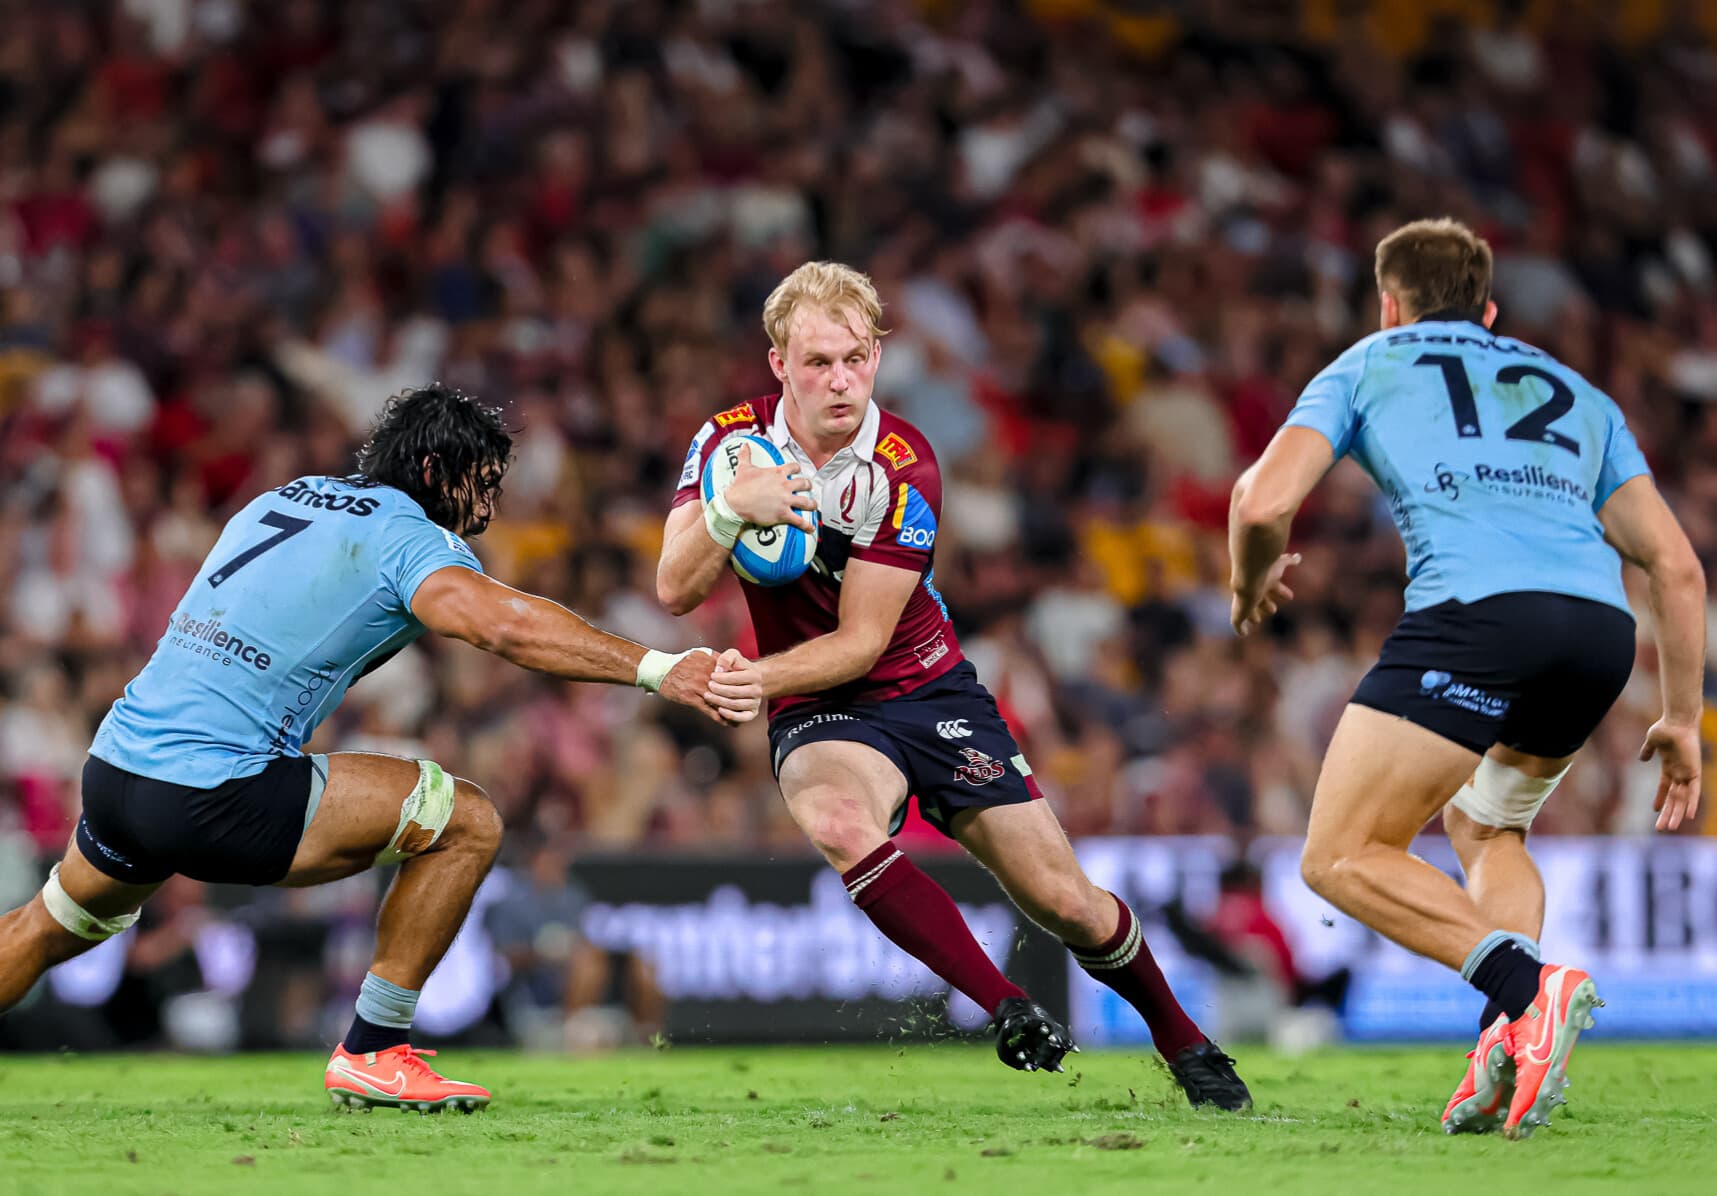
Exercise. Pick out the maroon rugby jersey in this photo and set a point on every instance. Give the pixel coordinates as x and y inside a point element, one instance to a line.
<point>880,498</point>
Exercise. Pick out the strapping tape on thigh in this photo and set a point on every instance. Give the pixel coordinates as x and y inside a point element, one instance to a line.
<point>76,918</point>
<point>422,816</point>
<point>1505,797</point>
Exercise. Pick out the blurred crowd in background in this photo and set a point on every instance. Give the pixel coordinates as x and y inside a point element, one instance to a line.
<point>1114,240</point>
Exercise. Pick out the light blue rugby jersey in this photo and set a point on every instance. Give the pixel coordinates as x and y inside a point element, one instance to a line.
<point>308,586</point>
<point>1494,456</point>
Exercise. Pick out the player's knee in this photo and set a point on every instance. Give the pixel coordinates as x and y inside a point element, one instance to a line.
<point>838,827</point>
<point>477,824</point>
<point>1319,865</point>
<point>843,840</point>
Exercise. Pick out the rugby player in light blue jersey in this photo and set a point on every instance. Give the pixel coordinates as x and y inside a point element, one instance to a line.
<point>1519,492</point>
<point>200,769</point>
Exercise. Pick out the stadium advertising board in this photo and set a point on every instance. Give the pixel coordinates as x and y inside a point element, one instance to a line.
<point>1639,913</point>
<point>757,951</point>
<point>760,950</point>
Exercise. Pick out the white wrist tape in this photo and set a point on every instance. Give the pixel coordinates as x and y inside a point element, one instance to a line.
<point>724,525</point>
<point>655,667</point>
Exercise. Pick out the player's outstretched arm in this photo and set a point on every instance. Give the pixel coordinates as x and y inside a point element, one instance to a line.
<point>538,634</point>
<point>872,597</point>
<point>696,542</point>
<point>1642,528</point>
<point>1265,501</point>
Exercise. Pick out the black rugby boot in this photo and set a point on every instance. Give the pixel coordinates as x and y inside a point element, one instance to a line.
<point>1028,1037</point>
<point>1207,1077</point>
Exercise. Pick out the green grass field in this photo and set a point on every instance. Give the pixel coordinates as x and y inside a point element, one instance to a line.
<point>919,1118</point>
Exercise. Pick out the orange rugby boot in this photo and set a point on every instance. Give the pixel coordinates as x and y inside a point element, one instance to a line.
<point>399,1078</point>
<point>1543,1037</point>
<point>1480,1104</point>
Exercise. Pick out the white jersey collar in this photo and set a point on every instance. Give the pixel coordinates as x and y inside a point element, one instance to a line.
<point>863,445</point>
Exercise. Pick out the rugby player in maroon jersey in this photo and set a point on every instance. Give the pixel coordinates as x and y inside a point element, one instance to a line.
<point>870,698</point>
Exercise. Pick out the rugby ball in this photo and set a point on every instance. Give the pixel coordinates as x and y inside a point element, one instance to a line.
<point>765,556</point>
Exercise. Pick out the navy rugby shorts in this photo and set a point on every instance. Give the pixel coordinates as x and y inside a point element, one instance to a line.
<point>1532,671</point>
<point>947,739</point>
<point>244,832</point>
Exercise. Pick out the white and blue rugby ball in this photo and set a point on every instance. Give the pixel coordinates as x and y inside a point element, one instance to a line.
<point>765,556</point>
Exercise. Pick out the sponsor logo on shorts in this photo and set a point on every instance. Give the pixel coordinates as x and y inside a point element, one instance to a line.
<point>742,414</point>
<point>206,637</point>
<point>1440,685</point>
<point>1527,481</point>
<point>88,836</point>
<point>954,728</point>
<point>895,451</point>
<point>979,769</point>
<point>817,720</point>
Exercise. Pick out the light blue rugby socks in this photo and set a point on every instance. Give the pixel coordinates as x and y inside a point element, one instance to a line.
<point>384,1016</point>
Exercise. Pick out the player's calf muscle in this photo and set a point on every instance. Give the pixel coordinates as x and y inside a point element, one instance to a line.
<point>31,942</point>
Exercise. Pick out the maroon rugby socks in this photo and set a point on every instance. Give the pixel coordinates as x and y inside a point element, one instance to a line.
<point>1124,963</point>
<point>918,916</point>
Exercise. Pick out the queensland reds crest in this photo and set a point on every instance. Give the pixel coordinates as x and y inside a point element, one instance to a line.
<point>978,769</point>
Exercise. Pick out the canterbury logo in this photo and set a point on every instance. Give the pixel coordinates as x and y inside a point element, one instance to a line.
<point>345,1072</point>
<point>954,729</point>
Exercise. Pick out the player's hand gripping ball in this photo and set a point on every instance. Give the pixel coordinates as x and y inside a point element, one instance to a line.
<point>767,556</point>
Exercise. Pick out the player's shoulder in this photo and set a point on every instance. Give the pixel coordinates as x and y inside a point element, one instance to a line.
<point>753,415</point>
<point>901,448</point>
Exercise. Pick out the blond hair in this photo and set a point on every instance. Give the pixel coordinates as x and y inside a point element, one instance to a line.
<point>1435,266</point>
<point>830,286</point>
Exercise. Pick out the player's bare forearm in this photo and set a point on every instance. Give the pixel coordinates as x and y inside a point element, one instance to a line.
<point>1265,500</point>
<point>1255,540</point>
<point>1641,527</point>
<point>1677,597</point>
<point>872,596</point>
<point>843,655</point>
<point>530,631</point>
<point>692,562</point>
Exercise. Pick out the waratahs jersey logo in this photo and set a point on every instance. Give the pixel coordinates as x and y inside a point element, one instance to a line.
<point>914,521</point>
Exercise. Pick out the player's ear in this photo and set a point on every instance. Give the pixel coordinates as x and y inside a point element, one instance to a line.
<point>777,365</point>
<point>1388,310</point>
<point>1489,312</point>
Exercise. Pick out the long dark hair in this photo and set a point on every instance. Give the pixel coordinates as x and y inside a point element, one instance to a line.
<point>444,449</point>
